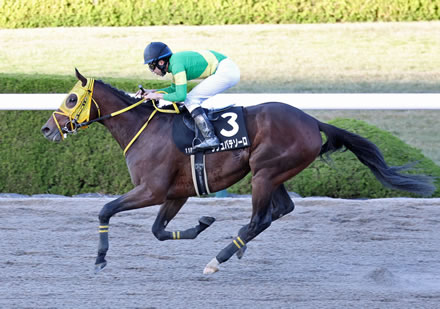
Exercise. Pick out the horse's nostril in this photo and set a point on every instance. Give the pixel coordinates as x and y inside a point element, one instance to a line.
<point>45,130</point>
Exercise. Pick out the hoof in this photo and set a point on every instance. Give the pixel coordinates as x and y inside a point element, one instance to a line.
<point>99,267</point>
<point>211,267</point>
<point>241,252</point>
<point>206,220</point>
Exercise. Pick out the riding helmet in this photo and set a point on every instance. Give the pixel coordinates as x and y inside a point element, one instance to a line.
<point>155,51</point>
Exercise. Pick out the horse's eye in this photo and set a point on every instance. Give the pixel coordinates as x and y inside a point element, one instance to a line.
<point>71,101</point>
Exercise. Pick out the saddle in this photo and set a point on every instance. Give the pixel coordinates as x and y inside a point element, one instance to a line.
<point>229,126</point>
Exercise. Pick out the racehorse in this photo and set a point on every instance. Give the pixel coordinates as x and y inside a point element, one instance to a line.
<point>283,141</point>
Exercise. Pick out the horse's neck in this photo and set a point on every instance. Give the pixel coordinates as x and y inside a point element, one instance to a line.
<point>124,126</point>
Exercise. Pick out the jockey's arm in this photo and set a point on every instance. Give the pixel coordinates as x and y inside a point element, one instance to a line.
<point>180,83</point>
<point>170,89</point>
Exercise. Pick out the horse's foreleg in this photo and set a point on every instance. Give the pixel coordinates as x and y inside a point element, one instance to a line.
<point>167,212</point>
<point>136,198</point>
<point>260,220</point>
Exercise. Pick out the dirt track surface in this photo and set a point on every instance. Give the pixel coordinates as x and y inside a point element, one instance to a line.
<point>328,253</point>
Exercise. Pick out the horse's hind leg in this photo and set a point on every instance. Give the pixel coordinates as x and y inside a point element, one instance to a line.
<point>282,204</point>
<point>260,220</point>
<point>167,212</point>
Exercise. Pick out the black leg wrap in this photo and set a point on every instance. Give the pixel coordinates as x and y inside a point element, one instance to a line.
<point>100,258</point>
<point>230,250</point>
<point>187,234</point>
<point>241,252</point>
<point>204,223</point>
<point>103,243</point>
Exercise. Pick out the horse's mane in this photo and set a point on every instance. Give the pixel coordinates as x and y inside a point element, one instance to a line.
<point>124,96</point>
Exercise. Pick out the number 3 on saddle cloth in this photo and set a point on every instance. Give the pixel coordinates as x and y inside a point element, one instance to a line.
<point>230,128</point>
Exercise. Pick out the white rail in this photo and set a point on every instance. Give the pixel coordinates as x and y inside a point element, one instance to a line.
<point>359,101</point>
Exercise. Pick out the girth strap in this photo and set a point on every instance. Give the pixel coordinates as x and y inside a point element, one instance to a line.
<point>200,178</point>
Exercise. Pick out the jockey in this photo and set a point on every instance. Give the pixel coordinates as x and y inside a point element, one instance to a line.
<point>217,71</point>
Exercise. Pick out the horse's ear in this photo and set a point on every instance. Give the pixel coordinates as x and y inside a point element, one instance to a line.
<point>80,77</point>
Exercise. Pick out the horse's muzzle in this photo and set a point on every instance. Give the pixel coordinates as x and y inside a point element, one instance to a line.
<point>52,135</point>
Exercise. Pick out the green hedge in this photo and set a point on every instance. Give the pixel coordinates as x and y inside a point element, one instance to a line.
<point>88,162</point>
<point>66,13</point>
<point>91,161</point>
<point>39,83</point>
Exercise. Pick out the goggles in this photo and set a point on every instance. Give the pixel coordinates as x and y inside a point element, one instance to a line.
<point>152,65</point>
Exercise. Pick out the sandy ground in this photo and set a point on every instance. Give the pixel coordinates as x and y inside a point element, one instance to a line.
<point>328,253</point>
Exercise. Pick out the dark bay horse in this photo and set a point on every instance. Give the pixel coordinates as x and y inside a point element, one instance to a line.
<point>284,141</point>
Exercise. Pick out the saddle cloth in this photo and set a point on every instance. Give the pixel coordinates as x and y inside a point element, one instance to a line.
<point>229,126</point>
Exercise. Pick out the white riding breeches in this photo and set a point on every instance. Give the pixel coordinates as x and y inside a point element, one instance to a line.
<point>226,76</point>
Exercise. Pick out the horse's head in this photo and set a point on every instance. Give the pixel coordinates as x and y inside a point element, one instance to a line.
<point>74,112</point>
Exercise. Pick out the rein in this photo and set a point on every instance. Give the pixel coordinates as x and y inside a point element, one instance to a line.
<point>86,99</point>
<point>156,109</point>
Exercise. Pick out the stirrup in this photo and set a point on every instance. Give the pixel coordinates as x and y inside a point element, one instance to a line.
<point>208,144</point>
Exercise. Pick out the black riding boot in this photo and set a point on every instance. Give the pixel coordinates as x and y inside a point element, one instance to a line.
<point>205,126</point>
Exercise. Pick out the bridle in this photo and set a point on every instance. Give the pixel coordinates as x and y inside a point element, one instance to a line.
<point>79,115</point>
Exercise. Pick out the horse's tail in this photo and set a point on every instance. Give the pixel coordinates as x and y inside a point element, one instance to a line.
<point>370,155</point>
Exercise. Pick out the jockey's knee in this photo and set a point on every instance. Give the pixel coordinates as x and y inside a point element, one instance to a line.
<point>192,103</point>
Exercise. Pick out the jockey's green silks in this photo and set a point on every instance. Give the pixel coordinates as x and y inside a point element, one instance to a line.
<point>189,65</point>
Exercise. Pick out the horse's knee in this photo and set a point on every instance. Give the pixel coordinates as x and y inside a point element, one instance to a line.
<point>108,211</point>
<point>104,216</point>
